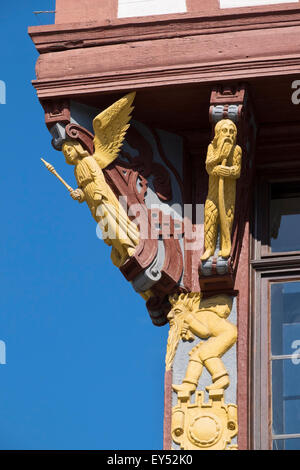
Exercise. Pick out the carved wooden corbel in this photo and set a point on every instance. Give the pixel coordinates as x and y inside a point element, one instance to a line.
<point>56,111</point>
<point>156,266</point>
<point>230,105</point>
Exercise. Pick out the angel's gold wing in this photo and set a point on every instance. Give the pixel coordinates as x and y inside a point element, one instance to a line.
<point>110,128</point>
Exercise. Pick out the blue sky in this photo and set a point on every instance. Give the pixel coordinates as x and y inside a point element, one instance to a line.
<point>85,365</point>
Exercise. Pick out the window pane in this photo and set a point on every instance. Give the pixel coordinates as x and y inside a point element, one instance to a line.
<point>285,217</point>
<point>286,444</point>
<point>285,340</point>
<point>292,414</point>
<point>285,318</point>
<point>286,396</point>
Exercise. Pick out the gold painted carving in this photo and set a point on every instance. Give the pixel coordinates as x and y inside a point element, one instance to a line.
<point>202,425</point>
<point>191,316</point>
<point>223,164</point>
<point>110,128</point>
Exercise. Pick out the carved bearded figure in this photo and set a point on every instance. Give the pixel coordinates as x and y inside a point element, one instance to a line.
<point>223,164</point>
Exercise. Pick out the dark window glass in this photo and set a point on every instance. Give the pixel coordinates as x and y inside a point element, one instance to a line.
<point>285,217</point>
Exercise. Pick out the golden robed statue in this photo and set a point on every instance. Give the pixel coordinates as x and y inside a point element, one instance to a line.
<point>110,128</point>
<point>223,164</point>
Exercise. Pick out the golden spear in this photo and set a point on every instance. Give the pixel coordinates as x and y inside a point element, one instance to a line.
<point>54,172</point>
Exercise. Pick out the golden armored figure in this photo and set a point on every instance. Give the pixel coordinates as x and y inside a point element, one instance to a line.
<point>110,128</point>
<point>206,319</point>
<point>223,164</point>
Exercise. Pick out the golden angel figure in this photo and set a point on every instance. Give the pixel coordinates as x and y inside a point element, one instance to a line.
<point>110,128</point>
<point>223,164</point>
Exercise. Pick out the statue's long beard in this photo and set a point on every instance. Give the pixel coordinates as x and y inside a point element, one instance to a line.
<point>173,340</point>
<point>225,149</point>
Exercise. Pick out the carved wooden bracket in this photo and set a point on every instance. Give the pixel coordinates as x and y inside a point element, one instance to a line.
<point>56,111</point>
<point>157,264</point>
<point>158,260</point>
<point>233,103</point>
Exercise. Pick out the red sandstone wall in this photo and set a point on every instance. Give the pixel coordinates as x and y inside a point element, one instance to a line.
<point>105,11</point>
<point>68,11</point>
